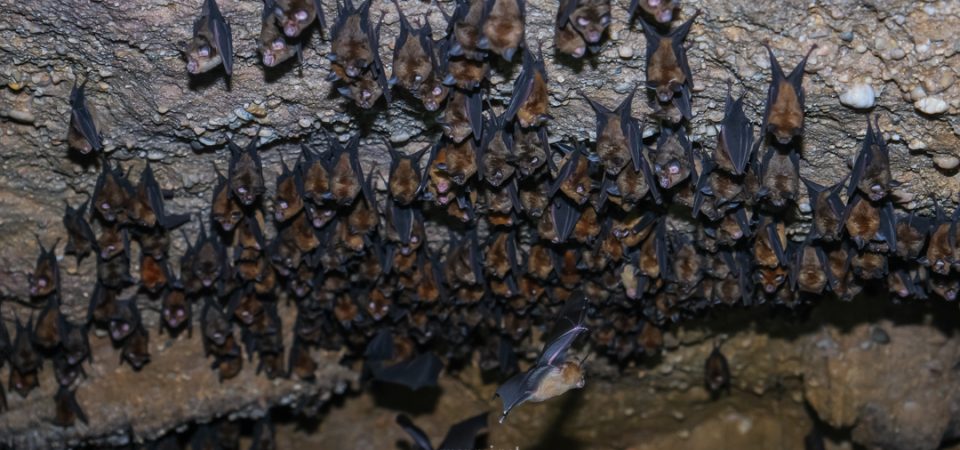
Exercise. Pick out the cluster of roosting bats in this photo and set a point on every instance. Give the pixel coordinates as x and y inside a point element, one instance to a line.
<point>585,239</point>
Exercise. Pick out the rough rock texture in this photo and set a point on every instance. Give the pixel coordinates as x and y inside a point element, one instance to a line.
<point>129,50</point>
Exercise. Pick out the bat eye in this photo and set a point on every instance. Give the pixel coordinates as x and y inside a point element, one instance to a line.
<point>534,160</point>
<point>582,21</point>
<point>437,91</point>
<point>418,78</point>
<point>674,169</point>
<point>278,45</point>
<point>42,282</point>
<point>105,206</point>
<point>284,205</point>
<point>204,51</point>
<point>301,15</point>
<point>605,20</point>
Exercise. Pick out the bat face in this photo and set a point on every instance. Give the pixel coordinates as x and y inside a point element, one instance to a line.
<point>225,209</point>
<point>365,91</point>
<point>944,286</point>
<point>273,45</point>
<point>716,371</point>
<point>45,278</point>
<point>591,19</point>
<point>567,40</point>
<point>351,48</point>
<point>246,176</point>
<point>783,117</point>
<point>65,374</point>
<point>672,160</point>
<point>869,265</point>
<point>125,320</point>
<point>82,135</point>
<point>771,278</point>
<point>295,15</point>
<point>659,10</point>
<point>175,310</point>
<point>531,149</point>
<point>502,27</point>
<point>111,195</point>
<point>289,198</point>
<point>871,171</point>
<point>433,92</point>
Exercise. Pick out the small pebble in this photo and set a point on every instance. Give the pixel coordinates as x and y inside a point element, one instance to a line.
<point>946,162</point>
<point>846,36</point>
<point>879,336</point>
<point>305,123</point>
<point>859,96</point>
<point>931,105</point>
<point>155,155</point>
<point>625,52</point>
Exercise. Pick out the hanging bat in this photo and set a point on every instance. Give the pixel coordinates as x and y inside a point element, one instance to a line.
<point>559,222</point>
<point>869,265</point>
<point>245,177</point>
<point>83,135</point>
<point>273,45</point>
<point>462,117</point>
<point>67,410</point>
<point>50,325</point>
<point>496,155</point>
<point>208,258</point>
<point>462,434</point>
<point>500,255</point>
<point>115,271</point>
<point>653,261</point>
<point>264,435</point>
<point>296,15</point>
<point>301,364</point>
<point>942,244</point>
<point>716,372</point>
<point>406,179</point>
<point>735,141</point>
<point>66,374</point>
<point>553,374</point>
<point>944,286</point>
<point>828,210</point>
<point>673,159</point>
<point>808,270</point>
<point>146,205</point>
<point>413,58</point>
<point>460,161</point>
<point>112,240</point>
<point>136,349</point>
<point>575,179</point>
<point>212,43</point>
<point>351,48</point>
<point>288,201</point>
<point>912,232</point>
<point>783,115</point>
<point>502,27</point>
<point>668,72</point>
<point>566,39</point>
<point>74,343</point>
<point>901,284</point>
<point>102,305</point>
<point>80,238</point>
<point>464,265</point>
<point>660,10</point>
<point>125,319</point>
<point>868,223</point>
<point>617,142</point>
<point>154,274</point>
<point>465,30</point>
<point>225,210</point>
<point>871,169</point>
<point>112,193</point>
<point>45,279</point>
<point>687,264</point>
<point>531,148</point>
<point>316,175</point>
<point>464,73</point>
<point>530,104</point>
<point>414,373</point>
<point>346,175</point>
<point>780,177</point>
<point>589,19</point>
<point>372,84</point>
<point>175,311</point>
<point>770,244</point>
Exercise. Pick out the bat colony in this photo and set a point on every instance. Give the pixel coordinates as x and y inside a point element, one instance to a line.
<point>586,240</point>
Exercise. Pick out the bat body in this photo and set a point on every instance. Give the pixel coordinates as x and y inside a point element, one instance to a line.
<point>245,177</point>
<point>871,170</point>
<point>780,177</point>
<point>531,148</point>
<point>553,374</point>
<point>673,160</point>
<point>461,435</point>
<point>668,72</point>
<point>529,104</point>
<point>351,49</point>
<point>288,201</point>
<point>465,28</point>
<point>406,179</point>
<point>502,27</point>
<point>146,208</point>
<point>809,268</point>
<point>462,117</point>
<point>496,153</point>
<point>212,43</point>
<point>50,325</point>
<point>83,135</point>
<point>575,177</point>
<point>618,139</point>
<point>716,372</point>
<point>80,237</point>
<point>783,115</point>
<point>112,193</point>
<point>45,279</point>
<point>273,44</point>
<point>295,16</point>
<point>346,175</point>
<point>870,223</point>
<point>67,409</point>
<point>828,210</point>
<point>175,311</point>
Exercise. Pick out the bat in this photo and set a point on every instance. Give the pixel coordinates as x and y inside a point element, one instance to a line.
<point>462,72</point>
<point>566,39</point>
<point>673,159</point>
<point>249,239</point>
<point>460,161</point>
<point>65,373</point>
<point>406,179</point>
<point>901,284</point>
<point>264,435</point>
<point>828,210</point>
<point>67,409</point>
<point>783,114</point>
<point>372,84</point>
<point>154,274</point>
<point>414,58</point>
<point>653,256</point>
<point>405,227</point>
<point>502,27</point>
<point>531,148</point>
<point>465,30</point>
<point>808,269</point>
<point>24,359</point>
<point>288,201</point>
<point>617,141</point>
<point>462,117</point>
<point>779,177</point>
<point>216,326</point>
<point>115,272</point>
<point>912,232</point>
<point>351,48</point>
<point>111,194</point>
<point>80,237</point>
<point>245,176</point>
<point>840,277</point>
<point>587,228</point>
<point>346,175</point>
<point>814,440</point>
<point>74,343</point>
<point>772,278</point>
<point>208,258</point>
<point>49,330</point>
<point>45,279</point>
<point>136,349</point>
<point>659,10</point>
<point>529,104</point>
<point>273,45</point>
<point>464,264</point>
<point>225,210</point>
<point>716,372</point>
<point>735,143</point>
<point>146,207</point>
<point>940,248</point>
<point>553,374</point>
<point>559,222</point>
<point>575,179</point>
<point>770,244</point>
<point>175,311</point>
<point>301,364</point>
<point>496,155</point>
<point>212,43</point>
<point>102,305</point>
<point>944,286</point>
<point>871,170</point>
<point>124,320</point>
<point>687,264</point>
<point>83,135</point>
<point>587,18</point>
<point>432,282</point>
<point>413,373</point>
<point>462,434</point>
<point>867,223</point>
<point>112,240</point>
<point>869,265</point>
<point>500,255</point>
<point>668,72</point>
<point>296,15</point>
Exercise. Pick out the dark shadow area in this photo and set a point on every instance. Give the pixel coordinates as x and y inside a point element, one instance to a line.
<point>554,438</point>
<point>401,399</point>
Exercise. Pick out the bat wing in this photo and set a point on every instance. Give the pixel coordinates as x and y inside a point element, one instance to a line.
<point>380,347</point>
<point>379,71</point>
<point>702,188</point>
<point>421,438</point>
<point>888,225</point>
<point>82,119</point>
<point>862,161</point>
<point>415,374</point>
<point>682,101</point>
<point>678,35</point>
<point>321,19</point>
<point>567,327</point>
<point>774,90</point>
<point>464,434</point>
<point>565,217</point>
<point>663,254</point>
<point>475,113</point>
<point>519,388</point>
<point>522,88</point>
<point>737,135</point>
<point>566,170</point>
<point>222,36</point>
